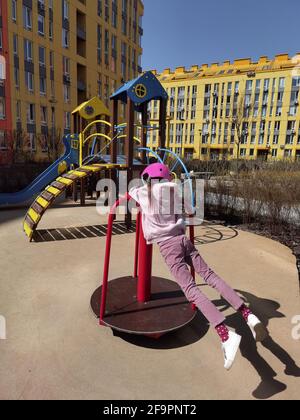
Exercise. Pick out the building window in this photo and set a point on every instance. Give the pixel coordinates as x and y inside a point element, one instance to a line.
<point>66,9</point>
<point>17,77</point>
<point>14,10</point>
<point>114,16</point>
<point>274,153</point>
<point>32,142</point>
<point>15,44</point>
<point>65,38</point>
<point>281,82</point>
<point>2,109</point>
<point>43,115</point>
<point>124,17</point>
<point>51,59</point>
<point>67,120</point>
<point>41,25</point>
<point>43,88</point>
<point>18,111</point>
<point>43,143</point>
<point>3,140</point>
<point>28,50</point>
<point>30,113</point>
<point>288,153</point>
<point>66,94</point>
<point>106,12</point>
<point>249,84</point>
<point>66,66</point>
<point>113,53</point>
<point>27,18</point>
<point>99,44</point>
<point>123,60</point>
<point>42,56</point>
<point>106,48</point>
<point>29,81</point>
<point>99,8</point>
<point>243,152</point>
<point>1,38</point>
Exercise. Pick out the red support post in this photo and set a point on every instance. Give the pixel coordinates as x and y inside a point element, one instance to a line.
<point>144,269</point>
<point>137,239</point>
<point>107,256</point>
<point>106,266</point>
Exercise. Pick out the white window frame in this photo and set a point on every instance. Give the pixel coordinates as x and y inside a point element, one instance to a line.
<point>27,18</point>
<point>65,38</point>
<point>28,49</point>
<point>29,77</point>
<point>43,92</point>
<point>41,20</point>
<point>14,10</point>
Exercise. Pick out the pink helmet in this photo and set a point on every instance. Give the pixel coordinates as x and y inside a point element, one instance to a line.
<point>157,170</point>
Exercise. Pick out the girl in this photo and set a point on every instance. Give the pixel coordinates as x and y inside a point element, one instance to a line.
<point>163,223</point>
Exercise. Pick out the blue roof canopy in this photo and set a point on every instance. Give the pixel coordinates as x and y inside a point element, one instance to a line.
<point>143,89</point>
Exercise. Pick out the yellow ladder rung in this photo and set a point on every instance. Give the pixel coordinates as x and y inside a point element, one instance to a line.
<point>27,230</point>
<point>65,181</point>
<point>80,174</point>
<point>53,191</point>
<point>42,202</point>
<point>34,215</point>
<point>91,168</point>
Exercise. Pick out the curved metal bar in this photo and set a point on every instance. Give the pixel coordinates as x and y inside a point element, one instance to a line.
<point>123,136</point>
<point>179,160</point>
<point>96,122</point>
<point>147,149</point>
<point>96,135</point>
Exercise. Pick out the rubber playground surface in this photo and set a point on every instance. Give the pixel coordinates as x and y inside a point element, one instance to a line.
<point>55,349</point>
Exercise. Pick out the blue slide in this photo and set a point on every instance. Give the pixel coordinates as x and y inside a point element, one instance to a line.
<point>45,178</point>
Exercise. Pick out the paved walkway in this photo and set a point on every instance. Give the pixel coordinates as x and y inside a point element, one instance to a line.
<point>55,349</point>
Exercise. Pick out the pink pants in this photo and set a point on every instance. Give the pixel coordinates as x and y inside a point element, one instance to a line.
<point>179,253</point>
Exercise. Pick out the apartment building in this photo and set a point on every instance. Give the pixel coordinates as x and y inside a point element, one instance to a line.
<point>54,55</point>
<point>243,109</point>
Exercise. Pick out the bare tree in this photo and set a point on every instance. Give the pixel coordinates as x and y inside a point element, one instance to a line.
<point>240,118</point>
<point>52,141</point>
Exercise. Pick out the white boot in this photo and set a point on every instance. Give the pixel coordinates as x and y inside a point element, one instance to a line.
<point>259,331</point>
<point>230,348</point>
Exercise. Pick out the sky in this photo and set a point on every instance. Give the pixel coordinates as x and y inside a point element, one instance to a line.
<point>187,32</point>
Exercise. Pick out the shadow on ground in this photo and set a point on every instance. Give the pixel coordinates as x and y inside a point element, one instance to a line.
<point>266,310</point>
<point>210,233</point>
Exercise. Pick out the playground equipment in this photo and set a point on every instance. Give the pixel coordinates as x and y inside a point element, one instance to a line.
<point>142,304</point>
<point>90,162</point>
<point>69,158</point>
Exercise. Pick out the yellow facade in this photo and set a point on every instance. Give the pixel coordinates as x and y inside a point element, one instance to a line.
<point>102,49</point>
<point>203,100</point>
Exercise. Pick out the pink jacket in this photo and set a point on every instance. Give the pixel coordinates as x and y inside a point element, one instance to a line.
<point>162,216</point>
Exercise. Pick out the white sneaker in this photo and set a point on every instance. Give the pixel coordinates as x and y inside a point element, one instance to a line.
<point>230,348</point>
<point>259,331</point>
